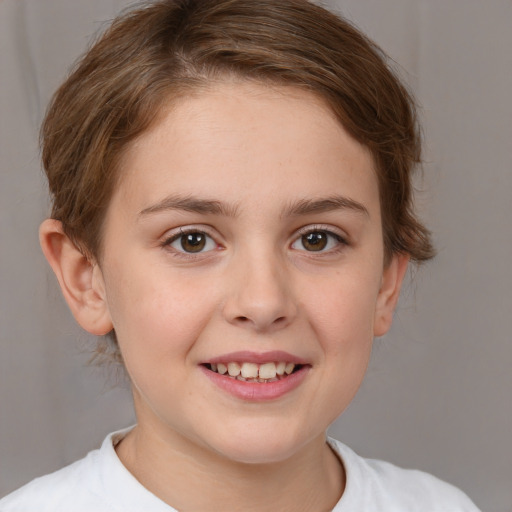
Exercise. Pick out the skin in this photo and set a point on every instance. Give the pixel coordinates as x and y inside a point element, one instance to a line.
<point>260,152</point>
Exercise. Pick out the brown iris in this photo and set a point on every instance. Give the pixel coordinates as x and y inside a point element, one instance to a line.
<point>193,242</point>
<point>315,241</point>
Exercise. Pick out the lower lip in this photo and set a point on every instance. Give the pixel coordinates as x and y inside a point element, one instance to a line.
<point>257,391</point>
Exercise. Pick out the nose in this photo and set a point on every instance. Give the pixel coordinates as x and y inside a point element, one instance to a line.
<point>260,294</point>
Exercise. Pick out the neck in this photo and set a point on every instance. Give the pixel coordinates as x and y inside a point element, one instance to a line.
<point>174,469</point>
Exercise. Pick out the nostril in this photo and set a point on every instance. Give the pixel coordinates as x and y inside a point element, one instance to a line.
<point>244,319</point>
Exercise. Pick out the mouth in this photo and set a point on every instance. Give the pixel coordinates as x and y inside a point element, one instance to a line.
<point>262,373</point>
<point>257,377</point>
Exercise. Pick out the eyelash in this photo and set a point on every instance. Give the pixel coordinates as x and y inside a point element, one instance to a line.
<point>167,243</point>
<point>341,241</point>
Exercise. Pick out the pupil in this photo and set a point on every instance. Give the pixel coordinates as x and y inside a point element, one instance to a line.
<point>314,241</point>
<point>193,242</point>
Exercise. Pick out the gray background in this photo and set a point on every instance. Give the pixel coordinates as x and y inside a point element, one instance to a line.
<point>438,392</point>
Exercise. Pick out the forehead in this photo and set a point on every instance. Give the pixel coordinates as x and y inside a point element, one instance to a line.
<point>235,139</point>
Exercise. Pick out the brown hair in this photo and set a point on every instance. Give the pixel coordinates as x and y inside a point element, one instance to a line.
<point>169,48</point>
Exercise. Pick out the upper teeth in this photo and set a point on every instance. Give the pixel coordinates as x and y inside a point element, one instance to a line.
<point>254,371</point>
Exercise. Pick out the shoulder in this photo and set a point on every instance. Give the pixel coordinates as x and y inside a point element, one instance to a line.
<point>378,485</point>
<point>99,482</point>
<point>70,488</point>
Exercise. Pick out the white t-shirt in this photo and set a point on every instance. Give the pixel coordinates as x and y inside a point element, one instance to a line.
<point>100,483</point>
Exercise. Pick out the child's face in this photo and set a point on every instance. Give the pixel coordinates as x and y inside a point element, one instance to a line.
<point>281,261</point>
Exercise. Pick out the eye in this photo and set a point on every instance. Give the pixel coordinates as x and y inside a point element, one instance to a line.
<point>191,242</point>
<point>318,241</point>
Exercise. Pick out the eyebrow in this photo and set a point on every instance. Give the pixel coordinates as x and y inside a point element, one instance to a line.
<point>192,204</point>
<point>213,207</point>
<point>322,205</point>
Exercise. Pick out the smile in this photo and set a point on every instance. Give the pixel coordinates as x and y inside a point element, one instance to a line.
<point>256,377</point>
<point>254,372</point>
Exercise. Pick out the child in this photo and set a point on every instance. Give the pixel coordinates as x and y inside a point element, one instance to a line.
<point>232,206</point>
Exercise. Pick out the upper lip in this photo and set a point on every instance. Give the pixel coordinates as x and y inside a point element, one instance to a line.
<point>246,356</point>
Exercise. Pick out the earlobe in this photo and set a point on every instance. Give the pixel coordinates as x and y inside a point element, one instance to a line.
<point>79,278</point>
<point>389,293</point>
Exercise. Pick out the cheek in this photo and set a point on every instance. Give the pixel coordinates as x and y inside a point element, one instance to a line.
<point>344,327</point>
<point>342,318</point>
<point>156,315</point>
<point>344,310</point>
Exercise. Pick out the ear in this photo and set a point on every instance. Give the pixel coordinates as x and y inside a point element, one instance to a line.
<point>389,292</point>
<point>80,279</point>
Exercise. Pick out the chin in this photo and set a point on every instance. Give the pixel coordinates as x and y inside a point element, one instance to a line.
<point>258,444</point>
